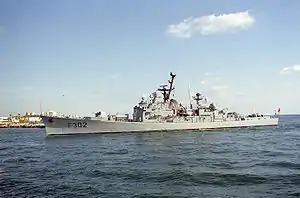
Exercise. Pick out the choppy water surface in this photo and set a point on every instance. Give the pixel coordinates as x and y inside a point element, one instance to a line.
<point>238,163</point>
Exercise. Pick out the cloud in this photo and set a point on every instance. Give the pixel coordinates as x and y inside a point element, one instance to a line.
<point>286,70</point>
<point>210,78</point>
<point>212,24</point>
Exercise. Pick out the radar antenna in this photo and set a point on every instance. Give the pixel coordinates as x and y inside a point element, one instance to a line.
<point>198,97</point>
<point>164,90</point>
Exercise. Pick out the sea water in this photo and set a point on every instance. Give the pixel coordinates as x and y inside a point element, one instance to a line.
<point>261,162</point>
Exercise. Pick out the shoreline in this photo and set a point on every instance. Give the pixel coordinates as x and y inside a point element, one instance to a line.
<point>22,126</point>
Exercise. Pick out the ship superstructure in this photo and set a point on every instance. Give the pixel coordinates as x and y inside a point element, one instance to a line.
<point>168,109</point>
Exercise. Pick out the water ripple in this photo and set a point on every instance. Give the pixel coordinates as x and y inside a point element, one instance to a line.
<point>234,163</point>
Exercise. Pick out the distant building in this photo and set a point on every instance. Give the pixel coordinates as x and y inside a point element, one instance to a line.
<point>4,119</point>
<point>50,113</point>
<point>30,114</point>
<point>14,120</point>
<point>34,119</point>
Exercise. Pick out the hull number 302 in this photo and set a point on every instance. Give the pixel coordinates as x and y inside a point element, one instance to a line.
<point>77,125</point>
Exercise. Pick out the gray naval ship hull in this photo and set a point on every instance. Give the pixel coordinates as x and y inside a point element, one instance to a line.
<point>68,126</point>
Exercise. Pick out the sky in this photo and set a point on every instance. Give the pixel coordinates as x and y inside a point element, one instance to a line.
<point>79,57</point>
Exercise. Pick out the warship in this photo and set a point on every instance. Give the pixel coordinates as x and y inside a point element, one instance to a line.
<point>160,111</point>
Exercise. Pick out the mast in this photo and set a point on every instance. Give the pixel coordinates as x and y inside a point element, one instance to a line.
<point>198,97</point>
<point>167,91</point>
<point>164,91</point>
<point>171,84</point>
<point>189,90</point>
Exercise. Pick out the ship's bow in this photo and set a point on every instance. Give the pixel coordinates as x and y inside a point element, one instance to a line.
<point>52,125</point>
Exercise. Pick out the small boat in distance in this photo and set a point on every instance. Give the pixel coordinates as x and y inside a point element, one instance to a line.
<point>159,112</point>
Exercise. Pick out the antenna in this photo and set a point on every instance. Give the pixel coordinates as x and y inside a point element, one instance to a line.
<point>189,92</point>
<point>171,84</point>
<point>40,106</point>
<point>167,91</point>
<point>164,91</point>
<point>198,97</point>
